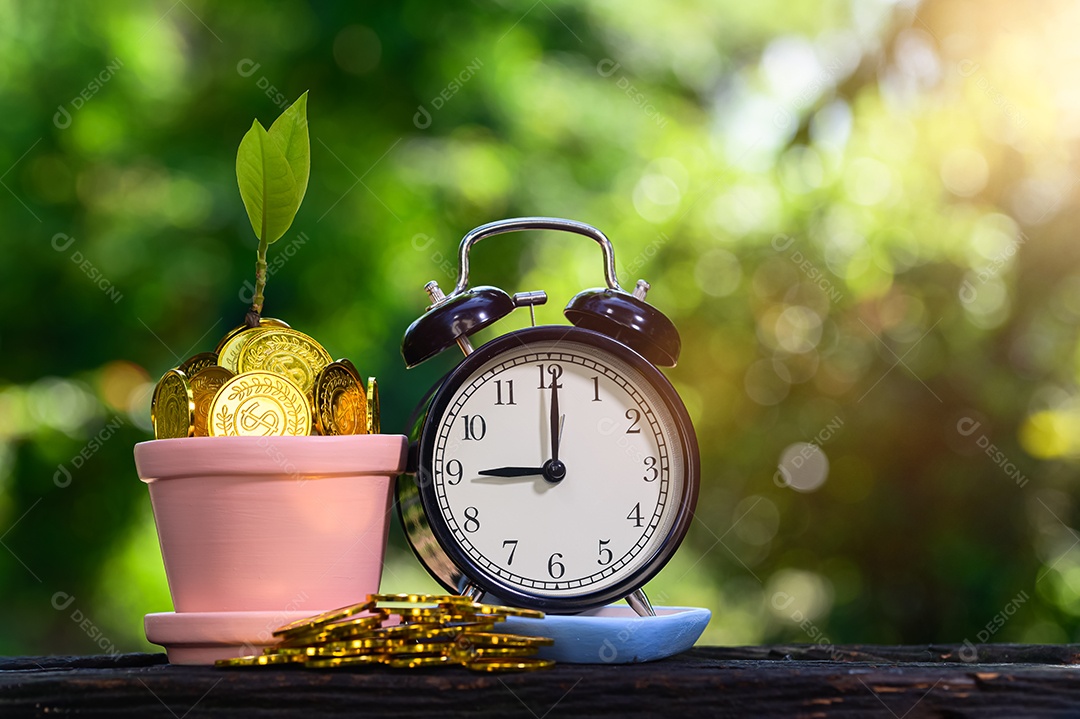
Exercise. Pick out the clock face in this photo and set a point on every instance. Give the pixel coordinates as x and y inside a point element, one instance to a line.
<point>609,515</point>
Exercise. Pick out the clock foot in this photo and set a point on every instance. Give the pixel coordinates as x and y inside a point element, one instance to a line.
<point>640,604</point>
<point>472,591</point>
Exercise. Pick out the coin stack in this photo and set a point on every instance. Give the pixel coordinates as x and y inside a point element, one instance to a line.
<point>264,381</point>
<point>405,631</point>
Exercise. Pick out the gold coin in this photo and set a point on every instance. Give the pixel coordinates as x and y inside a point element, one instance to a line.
<point>417,631</point>
<point>295,651</point>
<point>456,621</point>
<point>400,647</point>
<point>338,662</point>
<point>486,625</point>
<point>260,660</point>
<point>498,664</point>
<point>259,404</point>
<point>280,658</point>
<point>482,652</point>
<point>352,368</point>
<point>349,648</point>
<point>263,322</point>
<point>193,365</point>
<point>374,424</point>
<point>331,632</point>
<point>229,351</point>
<point>472,653</point>
<point>373,621</point>
<point>204,385</point>
<point>416,662</point>
<point>327,617</point>
<point>420,599</point>
<point>355,623</point>
<point>285,352</point>
<point>494,639</point>
<point>340,401</point>
<point>359,647</point>
<point>172,411</point>
<point>507,611</point>
<point>443,615</point>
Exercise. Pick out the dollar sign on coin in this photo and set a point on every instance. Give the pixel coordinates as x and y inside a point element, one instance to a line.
<point>259,404</point>
<point>172,409</point>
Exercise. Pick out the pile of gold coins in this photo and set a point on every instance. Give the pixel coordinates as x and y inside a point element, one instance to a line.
<point>264,381</point>
<point>404,631</point>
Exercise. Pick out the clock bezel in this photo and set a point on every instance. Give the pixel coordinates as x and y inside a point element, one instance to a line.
<point>436,528</point>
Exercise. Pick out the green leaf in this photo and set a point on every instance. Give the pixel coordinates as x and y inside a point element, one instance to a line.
<point>267,184</point>
<point>290,132</point>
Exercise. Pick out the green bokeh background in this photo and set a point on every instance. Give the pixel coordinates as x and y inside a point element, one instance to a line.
<point>859,214</point>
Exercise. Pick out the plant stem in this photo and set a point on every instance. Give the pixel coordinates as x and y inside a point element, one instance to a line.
<point>260,278</point>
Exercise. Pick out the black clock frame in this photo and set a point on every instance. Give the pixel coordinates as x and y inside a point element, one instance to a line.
<point>426,529</point>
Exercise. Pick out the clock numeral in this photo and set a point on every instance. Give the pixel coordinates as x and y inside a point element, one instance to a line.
<point>605,551</point>
<point>472,521</point>
<point>595,389</point>
<point>475,426</point>
<point>454,470</point>
<point>556,568</point>
<point>513,548</point>
<point>635,515</point>
<point>555,370</point>
<point>509,392</point>
<point>650,465</point>
<point>634,415</point>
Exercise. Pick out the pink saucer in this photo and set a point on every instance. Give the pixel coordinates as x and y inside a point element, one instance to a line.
<point>204,637</point>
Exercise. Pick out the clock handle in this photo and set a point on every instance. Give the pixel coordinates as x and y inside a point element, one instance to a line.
<point>610,310</point>
<point>519,224</point>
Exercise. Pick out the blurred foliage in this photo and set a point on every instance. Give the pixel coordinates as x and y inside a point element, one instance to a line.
<point>859,214</point>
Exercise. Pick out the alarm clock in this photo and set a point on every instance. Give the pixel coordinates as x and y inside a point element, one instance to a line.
<point>555,467</point>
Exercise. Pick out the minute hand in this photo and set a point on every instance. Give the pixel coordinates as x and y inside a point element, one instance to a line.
<point>554,420</point>
<point>513,472</point>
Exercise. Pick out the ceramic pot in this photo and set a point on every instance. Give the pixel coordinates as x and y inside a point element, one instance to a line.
<point>270,524</point>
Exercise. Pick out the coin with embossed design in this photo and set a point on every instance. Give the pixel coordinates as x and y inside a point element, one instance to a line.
<point>285,352</point>
<point>193,365</point>
<point>340,401</point>
<point>172,408</point>
<point>259,404</point>
<point>204,385</point>
<point>230,349</point>
<point>263,322</point>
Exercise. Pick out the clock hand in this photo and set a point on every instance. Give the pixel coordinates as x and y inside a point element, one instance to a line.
<point>553,471</point>
<point>555,423</point>
<point>513,472</point>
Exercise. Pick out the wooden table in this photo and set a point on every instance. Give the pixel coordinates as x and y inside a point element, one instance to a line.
<point>902,682</point>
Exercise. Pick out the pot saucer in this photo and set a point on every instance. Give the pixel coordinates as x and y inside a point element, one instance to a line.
<point>614,634</point>
<point>205,637</point>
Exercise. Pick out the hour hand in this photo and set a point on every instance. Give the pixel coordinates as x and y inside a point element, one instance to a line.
<point>513,472</point>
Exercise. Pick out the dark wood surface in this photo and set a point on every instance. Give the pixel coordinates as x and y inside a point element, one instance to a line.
<point>846,681</point>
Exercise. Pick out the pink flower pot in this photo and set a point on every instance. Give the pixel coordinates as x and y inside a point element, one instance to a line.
<point>268,525</point>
